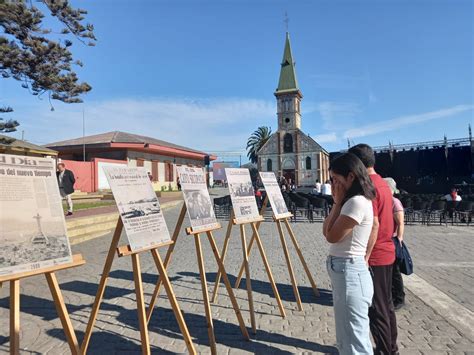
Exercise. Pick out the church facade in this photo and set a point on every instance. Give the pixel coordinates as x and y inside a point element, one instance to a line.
<point>289,152</point>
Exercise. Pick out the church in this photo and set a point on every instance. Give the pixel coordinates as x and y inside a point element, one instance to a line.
<point>289,152</point>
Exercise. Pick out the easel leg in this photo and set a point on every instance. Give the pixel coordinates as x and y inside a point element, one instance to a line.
<point>300,255</point>
<point>249,249</point>
<point>290,268</point>
<point>62,312</point>
<point>173,301</point>
<point>207,306</point>
<point>102,284</point>
<point>233,300</point>
<point>269,272</point>
<point>15,317</point>
<point>248,279</point>
<point>169,252</point>
<point>223,254</point>
<point>137,277</point>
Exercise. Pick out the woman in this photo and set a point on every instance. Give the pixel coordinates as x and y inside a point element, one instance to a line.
<point>398,292</point>
<point>348,228</point>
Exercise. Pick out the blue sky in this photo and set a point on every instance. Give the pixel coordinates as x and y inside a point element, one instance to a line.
<point>203,73</point>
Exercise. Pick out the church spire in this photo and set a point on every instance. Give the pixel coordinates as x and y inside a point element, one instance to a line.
<point>287,82</point>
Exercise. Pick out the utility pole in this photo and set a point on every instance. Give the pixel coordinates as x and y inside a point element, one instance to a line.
<point>83,135</point>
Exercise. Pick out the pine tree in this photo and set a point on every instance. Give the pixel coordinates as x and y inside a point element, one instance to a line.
<point>36,56</point>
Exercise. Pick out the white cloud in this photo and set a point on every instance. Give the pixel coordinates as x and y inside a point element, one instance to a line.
<point>218,123</point>
<point>404,121</point>
<point>326,138</point>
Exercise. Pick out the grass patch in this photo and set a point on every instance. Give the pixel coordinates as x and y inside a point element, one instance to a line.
<point>88,205</point>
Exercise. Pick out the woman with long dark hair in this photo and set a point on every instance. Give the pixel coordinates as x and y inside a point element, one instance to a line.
<point>347,228</point>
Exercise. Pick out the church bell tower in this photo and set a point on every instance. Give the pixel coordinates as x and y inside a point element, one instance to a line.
<point>288,95</point>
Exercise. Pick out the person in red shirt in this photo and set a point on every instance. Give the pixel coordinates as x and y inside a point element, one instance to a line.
<point>380,257</point>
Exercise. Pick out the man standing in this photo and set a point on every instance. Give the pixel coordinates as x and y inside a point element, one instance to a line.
<point>66,182</point>
<point>380,257</point>
<point>317,188</point>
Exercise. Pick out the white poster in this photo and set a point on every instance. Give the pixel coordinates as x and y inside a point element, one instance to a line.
<point>274,195</point>
<point>138,206</point>
<point>242,195</point>
<point>32,225</point>
<point>197,199</point>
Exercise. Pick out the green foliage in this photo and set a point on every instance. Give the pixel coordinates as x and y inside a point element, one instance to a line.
<point>256,141</point>
<point>40,59</point>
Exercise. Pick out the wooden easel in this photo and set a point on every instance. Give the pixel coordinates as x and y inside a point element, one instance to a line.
<point>142,320</point>
<point>246,253</point>
<point>286,253</point>
<point>58,299</point>
<point>202,272</point>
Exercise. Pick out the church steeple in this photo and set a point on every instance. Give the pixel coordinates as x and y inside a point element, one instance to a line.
<point>287,82</point>
<point>288,94</point>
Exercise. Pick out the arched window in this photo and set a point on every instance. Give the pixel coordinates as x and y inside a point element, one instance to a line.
<point>288,143</point>
<point>308,163</point>
<point>269,165</point>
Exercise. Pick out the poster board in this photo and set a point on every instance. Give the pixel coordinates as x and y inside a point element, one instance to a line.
<point>138,206</point>
<point>273,191</point>
<point>242,195</point>
<point>197,199</point>
<point>33,232</point>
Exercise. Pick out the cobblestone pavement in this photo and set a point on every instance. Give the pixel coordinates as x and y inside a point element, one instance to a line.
<point>442,256</point>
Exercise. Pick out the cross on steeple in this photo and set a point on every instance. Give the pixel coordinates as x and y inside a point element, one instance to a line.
<point>286,20</point>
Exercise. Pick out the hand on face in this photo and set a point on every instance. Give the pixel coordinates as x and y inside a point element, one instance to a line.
<point>338,192</point>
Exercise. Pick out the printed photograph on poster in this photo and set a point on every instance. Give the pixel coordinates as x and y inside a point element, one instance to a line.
<point>275,197</point>
<point>138,206</point>
<point>33,229</point>
<point>197,199</point>
<point>242,195</point>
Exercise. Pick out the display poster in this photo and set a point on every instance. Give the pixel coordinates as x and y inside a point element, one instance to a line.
<point>242,195</point>
<point>32,225</point>
<point>138,206</point>
<point>197,199</point>
<point>280,210</point>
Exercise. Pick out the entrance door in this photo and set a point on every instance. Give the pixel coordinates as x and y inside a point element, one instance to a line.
<point>289,174</point>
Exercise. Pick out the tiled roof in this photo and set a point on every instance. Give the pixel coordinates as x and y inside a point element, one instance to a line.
<point>118,137</point>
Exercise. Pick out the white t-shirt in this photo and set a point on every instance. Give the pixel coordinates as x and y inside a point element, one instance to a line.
<point>326,189</point>
<point>355,243</point>
<point>317,188</point>
<point>448,197</point>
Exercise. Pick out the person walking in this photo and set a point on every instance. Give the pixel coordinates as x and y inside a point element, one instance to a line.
<point>66,182</point>
<point>398,292</point>
<point>380,256</point>
<point>347,228</point>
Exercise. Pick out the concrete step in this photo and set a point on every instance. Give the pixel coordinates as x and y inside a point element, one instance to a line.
<point>88,236</point>
<point>84,221</point>
<point>92,228</point>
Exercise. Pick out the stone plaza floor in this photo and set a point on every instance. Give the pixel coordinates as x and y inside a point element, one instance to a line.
<point>435,320</point>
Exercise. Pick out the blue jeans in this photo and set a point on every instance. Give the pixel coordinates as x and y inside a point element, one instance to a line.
<point>352,291</point>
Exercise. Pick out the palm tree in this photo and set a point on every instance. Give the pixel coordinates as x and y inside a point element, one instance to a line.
<point>256,141</point>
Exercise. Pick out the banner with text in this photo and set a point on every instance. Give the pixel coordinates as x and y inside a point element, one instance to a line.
<point>197,199</point>
<point>138,206</point>
<point>32,225</point>
<point>280,210</point>
<point>242,195</point>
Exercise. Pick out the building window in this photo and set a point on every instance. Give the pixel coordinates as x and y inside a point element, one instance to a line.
<point>269,165</point>
<point>169,177</point>
<point>288,143</point>
<point>140,162</point>
<point>308,163</point>
<point>154,170</point>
